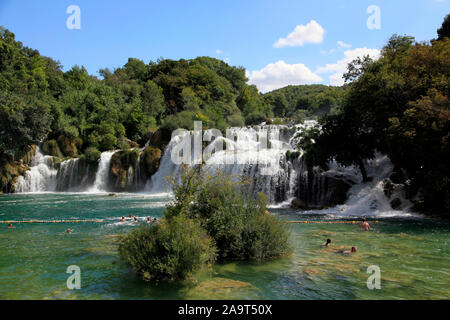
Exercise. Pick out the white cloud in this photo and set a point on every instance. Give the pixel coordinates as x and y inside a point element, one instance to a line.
<point>309,33</point>
<point>342,44</point>
<point>340,66</point>
<point>280,74</point>
<point>336,79</point>
<point>218,51</point>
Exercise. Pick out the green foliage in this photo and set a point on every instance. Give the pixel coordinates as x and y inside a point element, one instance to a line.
<point>79,111</point>
<point>239,225</point>
<point>51,148</point>
<point>171,250</point>
<point>397,105</point>
<point>209,218</point>
<point>92,155</point>
<point>300,102</point>
<point>23,120</point>
<point>444,30</point>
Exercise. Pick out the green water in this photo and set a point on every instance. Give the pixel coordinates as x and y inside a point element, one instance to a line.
<point>412,253</point>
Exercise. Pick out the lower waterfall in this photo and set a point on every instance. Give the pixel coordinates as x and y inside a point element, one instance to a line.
<point>265,154</point>
<point>102,174</point>
<point>41,177</point>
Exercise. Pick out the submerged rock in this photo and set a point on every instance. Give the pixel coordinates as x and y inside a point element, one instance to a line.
<point>396,203</point>
<point>218,288</point>
<point>298,204</point>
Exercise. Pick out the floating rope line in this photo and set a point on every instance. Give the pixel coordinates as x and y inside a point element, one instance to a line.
<point>99,221</point>
<point>351,222</point>
<point>51,221</point>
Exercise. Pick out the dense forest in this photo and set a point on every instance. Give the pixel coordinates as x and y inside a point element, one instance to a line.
<point>304,101</point>
<point>397,105</point>
<point>75,114</point>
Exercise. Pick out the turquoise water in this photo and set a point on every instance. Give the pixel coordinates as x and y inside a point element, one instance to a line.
<point>412,253</point>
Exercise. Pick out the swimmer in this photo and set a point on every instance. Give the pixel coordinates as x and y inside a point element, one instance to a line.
<point>328,243</point>
<point>353,250</point>
<point>135,219</point>
<point>364,225</point>
<point>130,216</point>
<point>154,220</point>
<point>148,220</point>
<point>10,226</point>
<point>68,231</point>
<point>123,219</point>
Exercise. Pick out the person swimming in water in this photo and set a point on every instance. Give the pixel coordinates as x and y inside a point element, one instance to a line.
<point>154,220</point>
<point>328,243</point>
<point>353,250</point>
<point>364,225</point>
<point>123,219</point>
<point>10,226</point>
<point>135,219</point>
<point>130,216</point>
<point>68,231</point>
<point>148,220</point>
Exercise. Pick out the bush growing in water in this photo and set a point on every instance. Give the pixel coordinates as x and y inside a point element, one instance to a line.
<point>169,251</point>
<point>210,217</point>
<point>238,223</point>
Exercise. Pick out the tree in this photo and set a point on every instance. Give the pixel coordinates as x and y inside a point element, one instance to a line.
<point>444,30</point>
<point>397,105</point>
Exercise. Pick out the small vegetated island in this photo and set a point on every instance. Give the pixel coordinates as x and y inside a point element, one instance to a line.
<point>210,219</point>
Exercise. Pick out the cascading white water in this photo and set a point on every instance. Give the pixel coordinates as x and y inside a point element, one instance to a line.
<point>40,178</point>
<point>269,170</point>
<point>267,167</point>
<point>101,177</point>
<point>366,199</point>
<point>137,174</point>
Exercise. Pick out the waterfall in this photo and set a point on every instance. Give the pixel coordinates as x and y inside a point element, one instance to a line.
<point>102,175</point>
<point>73,176</point>
<point>40,178</point>
<point>137,174</point>
<point>257,152</point>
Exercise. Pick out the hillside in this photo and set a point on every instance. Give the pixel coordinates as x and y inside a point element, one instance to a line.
<point>302,101</point>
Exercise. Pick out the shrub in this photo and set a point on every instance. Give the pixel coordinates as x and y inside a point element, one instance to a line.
<point>68,146</point>
<point>124,145</point>
<point>50,147</point>
<point>92,155</point>
<point>236,120</point>
<point>255,118</point>
<point>172,250</point>
<point>238,223</point>
<point>108,142</point>
<point>209,218</point>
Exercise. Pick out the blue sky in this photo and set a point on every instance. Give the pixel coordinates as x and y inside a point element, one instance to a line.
<point>242,32</point>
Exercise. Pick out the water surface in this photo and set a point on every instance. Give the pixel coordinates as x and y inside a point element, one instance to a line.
<point>412,253</point>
